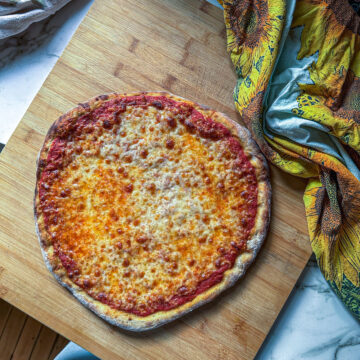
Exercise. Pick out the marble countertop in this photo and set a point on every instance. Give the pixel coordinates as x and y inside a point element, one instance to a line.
<point>313,323</point>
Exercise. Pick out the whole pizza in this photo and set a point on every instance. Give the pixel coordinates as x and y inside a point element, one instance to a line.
<point>148,205</point>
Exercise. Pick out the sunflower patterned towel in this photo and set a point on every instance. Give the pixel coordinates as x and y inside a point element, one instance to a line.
<point>298,91</point>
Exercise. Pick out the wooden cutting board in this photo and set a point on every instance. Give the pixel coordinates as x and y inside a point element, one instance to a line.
<point>124,46</point>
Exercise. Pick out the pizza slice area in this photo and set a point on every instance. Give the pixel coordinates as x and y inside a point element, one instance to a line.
<point>147,204</point>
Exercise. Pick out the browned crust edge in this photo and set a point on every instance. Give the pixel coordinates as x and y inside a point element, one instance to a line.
<point>133,322</point>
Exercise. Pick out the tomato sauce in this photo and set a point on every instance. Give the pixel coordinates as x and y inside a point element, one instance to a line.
<point>194,121</point>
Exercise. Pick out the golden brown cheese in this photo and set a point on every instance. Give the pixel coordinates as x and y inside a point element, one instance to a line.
<point>145,208</point>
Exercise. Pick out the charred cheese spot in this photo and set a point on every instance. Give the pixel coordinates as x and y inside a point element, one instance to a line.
<point>142,229</point>
<point>170,143</point>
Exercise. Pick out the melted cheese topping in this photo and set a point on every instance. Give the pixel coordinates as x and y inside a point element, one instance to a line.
<point>145,209</point>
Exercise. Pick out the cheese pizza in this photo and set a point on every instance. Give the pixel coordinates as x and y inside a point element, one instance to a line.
<point>148,205</point>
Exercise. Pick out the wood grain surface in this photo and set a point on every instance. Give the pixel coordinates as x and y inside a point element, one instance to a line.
<point>123,46</point>
<point>24,338</point>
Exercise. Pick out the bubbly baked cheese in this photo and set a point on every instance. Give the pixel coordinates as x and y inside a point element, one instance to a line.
<point>147,202</point>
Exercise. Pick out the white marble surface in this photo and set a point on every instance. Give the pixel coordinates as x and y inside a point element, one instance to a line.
<point>313,324</point>
<point>26,61</point>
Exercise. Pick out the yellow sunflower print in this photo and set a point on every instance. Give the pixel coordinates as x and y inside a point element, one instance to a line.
<point>298,91</point>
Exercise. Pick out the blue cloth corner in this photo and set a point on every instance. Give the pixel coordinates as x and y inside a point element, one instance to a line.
<point>75,352</point>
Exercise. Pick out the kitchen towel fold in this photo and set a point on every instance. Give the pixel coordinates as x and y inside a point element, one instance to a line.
<point>18,15</point>
<point>298,91</point>
<point>75,352</point>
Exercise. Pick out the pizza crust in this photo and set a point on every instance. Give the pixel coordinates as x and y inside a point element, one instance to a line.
<point>130,321</point>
